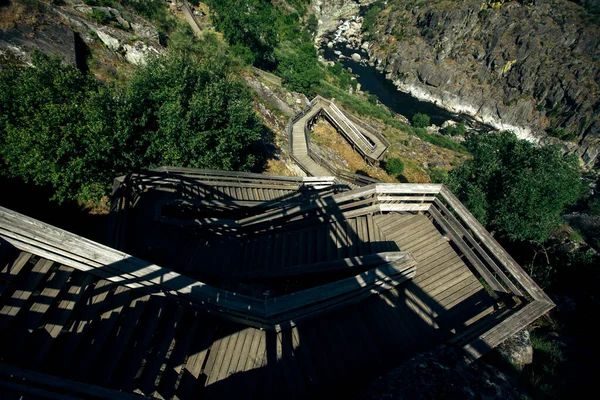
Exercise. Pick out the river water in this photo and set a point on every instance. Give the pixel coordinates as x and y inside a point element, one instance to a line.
<point>401,103</point>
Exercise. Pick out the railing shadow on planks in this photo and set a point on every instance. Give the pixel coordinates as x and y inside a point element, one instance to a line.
<point>478,248</point>
<point>291,323</point>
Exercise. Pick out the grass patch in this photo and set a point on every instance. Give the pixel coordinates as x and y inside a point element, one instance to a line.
<point>542,375</point>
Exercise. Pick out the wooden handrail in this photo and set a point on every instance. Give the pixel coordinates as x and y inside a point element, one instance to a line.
<point>54,244</point>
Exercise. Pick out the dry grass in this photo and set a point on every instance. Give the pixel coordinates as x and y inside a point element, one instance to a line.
<point>93,208</point>
<point>278,167</point>
<point>340,153</point>
<point>17,13</point>
<point>419,157</point>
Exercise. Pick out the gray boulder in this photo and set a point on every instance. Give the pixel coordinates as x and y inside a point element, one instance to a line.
<point>517,349</point>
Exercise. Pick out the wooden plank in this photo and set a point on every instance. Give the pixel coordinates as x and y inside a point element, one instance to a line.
<point>326,266</point>
<point>238,363</point>
<point>69,303</point>
<point>352,237</point>
<point>255,344</point>
<point>32,318</point>
<point>449,281</point>
<point>479,231</point>
<point>198,352</point>
<point>505,328</point>
<point>432,268</point>
<point>103,327</point>
<point>413,229</point>
<point>129,370</point>
<point>232,355</point>
<point>22,292</point>
<point>470,288</point>
<point>451,268</point>
<point>297,300</point>
<point>119,341</point>
<point>58,385</point>
<point>186,333</point>
<point>159,348</point>
<point>11,270</point>
<point>311,246</point>
<point>291,367</point>
<point>285,249</point>
<point>466,250</point>
<point>453,222</point>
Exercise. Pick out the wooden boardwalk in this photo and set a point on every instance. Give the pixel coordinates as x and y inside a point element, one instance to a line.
<point>277,287</point>
<point>65,322</point>
<point>371,146</point>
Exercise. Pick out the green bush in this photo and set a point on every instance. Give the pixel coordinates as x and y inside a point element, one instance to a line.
<point>438,175</point>
<point>101,17</point>
<point>561,134</point>
<point>299,68</point>
<point>394,166</point>
<point>421,120</point>
<point>66,130</point>
<point>515,188</point>
<point>454,130</point>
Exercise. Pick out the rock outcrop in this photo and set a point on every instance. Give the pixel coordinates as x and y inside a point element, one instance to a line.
<point>330,12</point>
<point>63,30</point>
<point>517,349</point>
<point>526,66</point>
<point>441,374</point>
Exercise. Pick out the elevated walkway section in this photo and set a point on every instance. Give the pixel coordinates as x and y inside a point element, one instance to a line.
<point>311,289</point>
<point>368,143</point>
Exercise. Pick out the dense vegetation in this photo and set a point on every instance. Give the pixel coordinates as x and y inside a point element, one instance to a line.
<point>421,120</point>
<point>394,166</point>
<point>67,130</point>
<point>272,38</point>
<point>514,188</point>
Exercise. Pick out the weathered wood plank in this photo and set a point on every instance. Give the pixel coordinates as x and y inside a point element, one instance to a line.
<point>32,318</point>
<point>156,356</point>
<point>468,253</point>
<point>479,231</point>
<point>12,269</point>
<point>119,341</point>
<point>186,332</point>
<point>453,222</point>
<point>22,292</point>
<point>505,328</point>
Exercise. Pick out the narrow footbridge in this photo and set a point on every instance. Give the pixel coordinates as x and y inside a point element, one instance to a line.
<point>370,144</point>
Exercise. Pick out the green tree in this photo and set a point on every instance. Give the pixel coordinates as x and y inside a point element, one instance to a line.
<point>454,130</point>
<point>421,120</point>
<point>515,188</point>
<point>63,129</point>
<point>180,112</point>
<point>394,166</point>
<point>248,23</point>
<point>299,68</point>
<point>56,127</point>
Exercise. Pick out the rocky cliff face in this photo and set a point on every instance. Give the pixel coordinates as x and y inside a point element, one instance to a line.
<point>330,12</point>
<point>526,66</point>
<point>73,32</point>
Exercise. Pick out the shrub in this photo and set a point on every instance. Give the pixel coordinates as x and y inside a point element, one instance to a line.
<point>65,130</point>
<point>454,130</point>
<point>438,175</point>
<point>516,188</point>
<point>394,166</point>
<point>421,120</point>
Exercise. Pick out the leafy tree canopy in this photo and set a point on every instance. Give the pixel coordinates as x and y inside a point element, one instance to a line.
<point>299,68</point>
<point>515,188</point>
<point>61,128</point>
<point>421,120</point>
